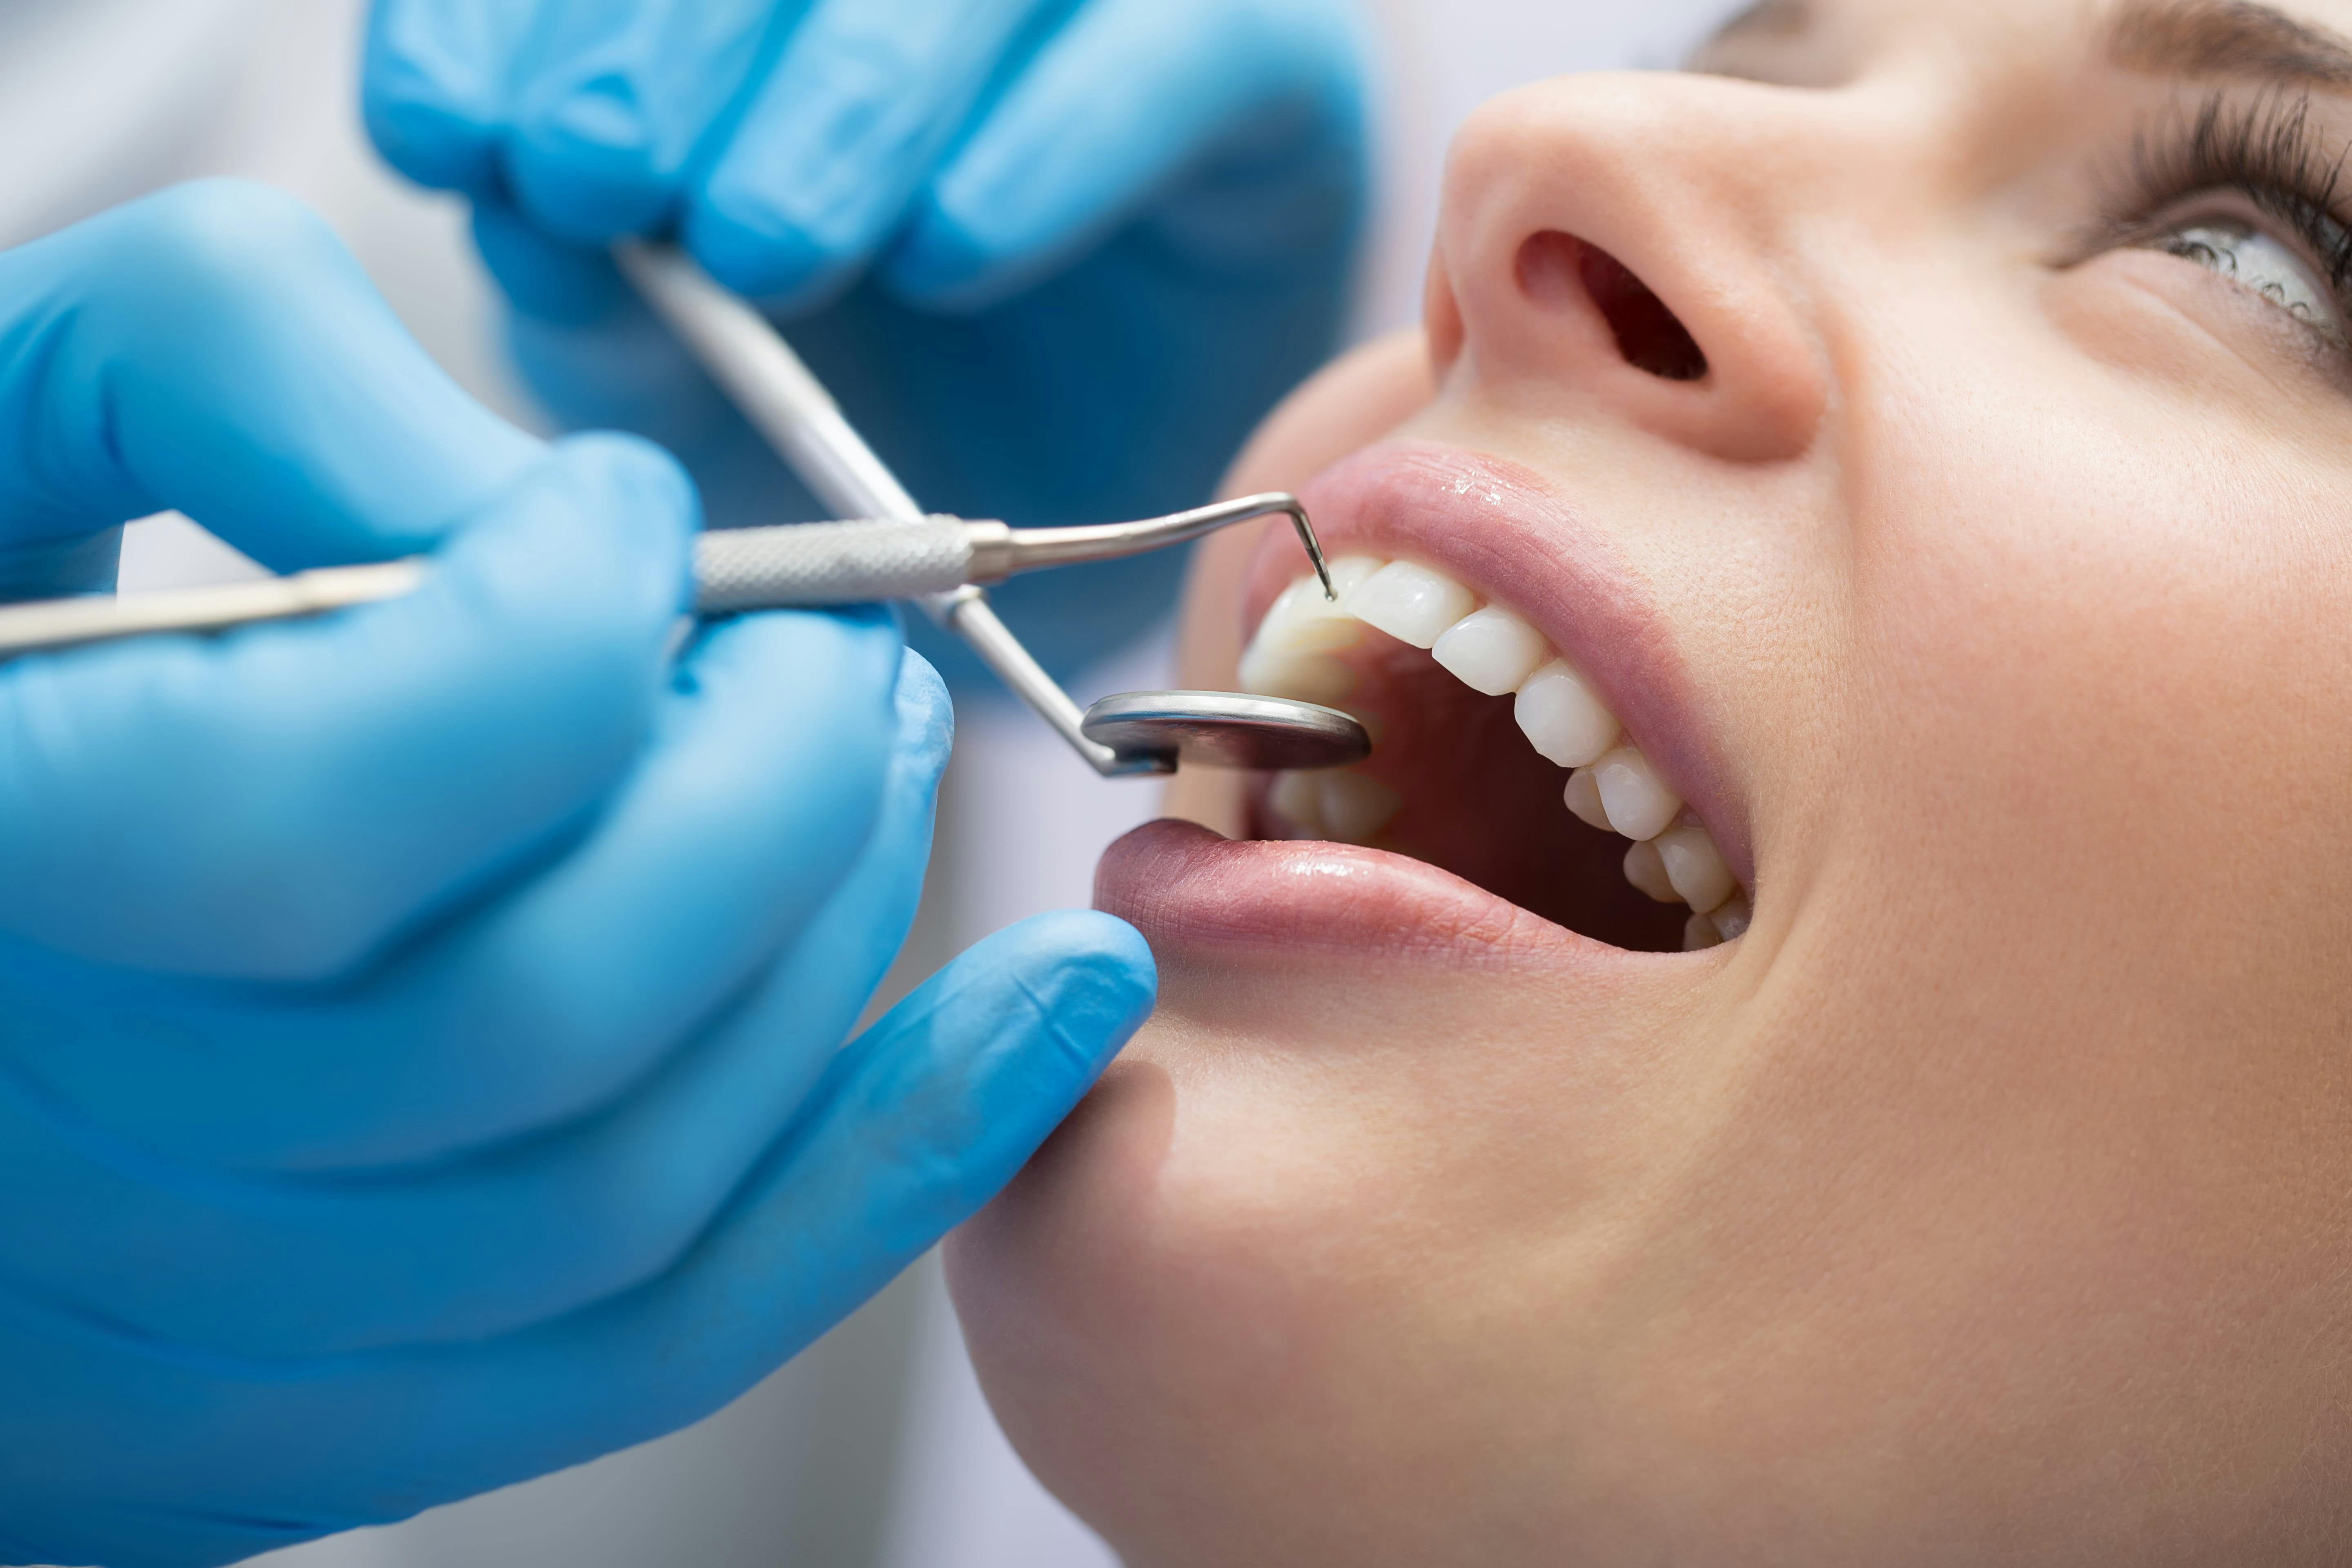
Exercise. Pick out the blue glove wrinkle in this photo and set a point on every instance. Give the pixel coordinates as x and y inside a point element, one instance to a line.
<point>434,86</point>
<point>614,98</point>
<point>866,96</point>
<point>61,473</point>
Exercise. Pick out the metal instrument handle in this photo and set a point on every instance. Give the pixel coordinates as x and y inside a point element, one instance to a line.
<point>791,408</point>
<point>813,563</point>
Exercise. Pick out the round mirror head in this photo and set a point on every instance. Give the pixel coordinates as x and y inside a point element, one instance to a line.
<point>1228,730</point>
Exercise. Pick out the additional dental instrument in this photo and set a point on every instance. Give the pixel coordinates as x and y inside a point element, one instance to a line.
<point>795,565</point>
<point>783,401</point>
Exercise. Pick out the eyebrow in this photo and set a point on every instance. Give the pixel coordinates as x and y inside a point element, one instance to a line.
<point>2228,38</point>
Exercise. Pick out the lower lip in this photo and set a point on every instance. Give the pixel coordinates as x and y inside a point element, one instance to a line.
<point>1184,886</point>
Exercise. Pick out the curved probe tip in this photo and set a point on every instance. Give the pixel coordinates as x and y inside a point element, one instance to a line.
<point>1314,549</point>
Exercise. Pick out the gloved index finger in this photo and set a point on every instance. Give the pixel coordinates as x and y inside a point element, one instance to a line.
<point>214,350</point>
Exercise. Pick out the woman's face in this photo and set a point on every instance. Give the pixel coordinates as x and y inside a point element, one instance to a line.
<point>1926,439</point>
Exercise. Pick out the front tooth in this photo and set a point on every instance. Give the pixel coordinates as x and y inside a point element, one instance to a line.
<point>1562,718</point>
<point>1307,676</point>
<point>1699,934</point>
<point>1355,807</point>
<point>1491,651</point>
<point>1348,573</point>
<point>1302,621</point>
<point>1583,795</point>
<point>1638,802</point>
<point>1409,602</point>
<point>1731,919</point>
<point>1695,866</point>
<point>1647,871</point>
<point>1298,799</point>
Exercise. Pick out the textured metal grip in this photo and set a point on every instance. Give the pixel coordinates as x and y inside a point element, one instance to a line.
<point>829,564</point>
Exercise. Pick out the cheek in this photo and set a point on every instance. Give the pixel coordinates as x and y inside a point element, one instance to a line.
<point>2090,640</point>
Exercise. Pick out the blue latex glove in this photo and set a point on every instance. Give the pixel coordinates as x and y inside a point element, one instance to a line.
<point>420,1066</point>
<point>1085,243</point>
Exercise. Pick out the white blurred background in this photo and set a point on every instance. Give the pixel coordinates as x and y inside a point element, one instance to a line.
<point>873,1449</point>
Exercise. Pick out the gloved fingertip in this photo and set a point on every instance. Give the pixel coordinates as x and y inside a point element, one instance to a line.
<point>923,700</point>
<point>545,278</point>
<point>418,117</point>
<point>586,171</point>
<point>938,264</point>
<point>926,719</point>
<point>764,256</point>
<point>1091,974</point>
<point>969,244</point>
<point>431,146</point>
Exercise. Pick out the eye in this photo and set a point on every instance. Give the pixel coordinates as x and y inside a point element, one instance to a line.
<point>2255,259</point>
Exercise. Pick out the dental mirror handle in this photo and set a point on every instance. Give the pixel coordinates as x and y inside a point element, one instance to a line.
<point>750,360</point>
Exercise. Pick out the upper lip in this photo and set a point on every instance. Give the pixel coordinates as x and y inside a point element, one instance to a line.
<point>1509,536</point>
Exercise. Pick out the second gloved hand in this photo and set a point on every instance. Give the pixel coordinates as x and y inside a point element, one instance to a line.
<point>422,1064</point>
<point>1056,258</point>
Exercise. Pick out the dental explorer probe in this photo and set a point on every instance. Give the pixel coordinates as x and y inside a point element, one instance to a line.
<point>792,566</point>
<point>1129,734</point>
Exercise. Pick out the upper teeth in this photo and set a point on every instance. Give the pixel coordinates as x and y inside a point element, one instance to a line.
<point>1560,716</point>
<point>1491,651</point>
<point>1409,603</point>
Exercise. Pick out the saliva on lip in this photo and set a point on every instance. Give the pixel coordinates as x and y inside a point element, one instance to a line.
<point>1610,785</point>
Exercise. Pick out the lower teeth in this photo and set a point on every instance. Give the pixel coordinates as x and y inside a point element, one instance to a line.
<point>1341,804</point>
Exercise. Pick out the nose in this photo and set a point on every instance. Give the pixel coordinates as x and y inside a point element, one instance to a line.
<point>1623,240</point>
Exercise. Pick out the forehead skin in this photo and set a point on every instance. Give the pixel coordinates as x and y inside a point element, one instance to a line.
<point>2289,41</point>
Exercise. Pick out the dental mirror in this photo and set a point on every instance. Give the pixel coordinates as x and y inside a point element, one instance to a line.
<point>1227,729</point>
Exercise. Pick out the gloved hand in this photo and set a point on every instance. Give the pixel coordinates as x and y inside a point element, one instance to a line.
<point>420,1062</point>
<point>1056,258</point>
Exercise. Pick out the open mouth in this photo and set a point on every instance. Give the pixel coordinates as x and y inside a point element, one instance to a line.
<point>1532,733</point>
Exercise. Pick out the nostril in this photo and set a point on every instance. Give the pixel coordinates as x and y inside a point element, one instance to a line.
<point>1556,267</point>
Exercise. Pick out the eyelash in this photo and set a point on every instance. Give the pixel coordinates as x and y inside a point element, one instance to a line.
<point>2265,151</point>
